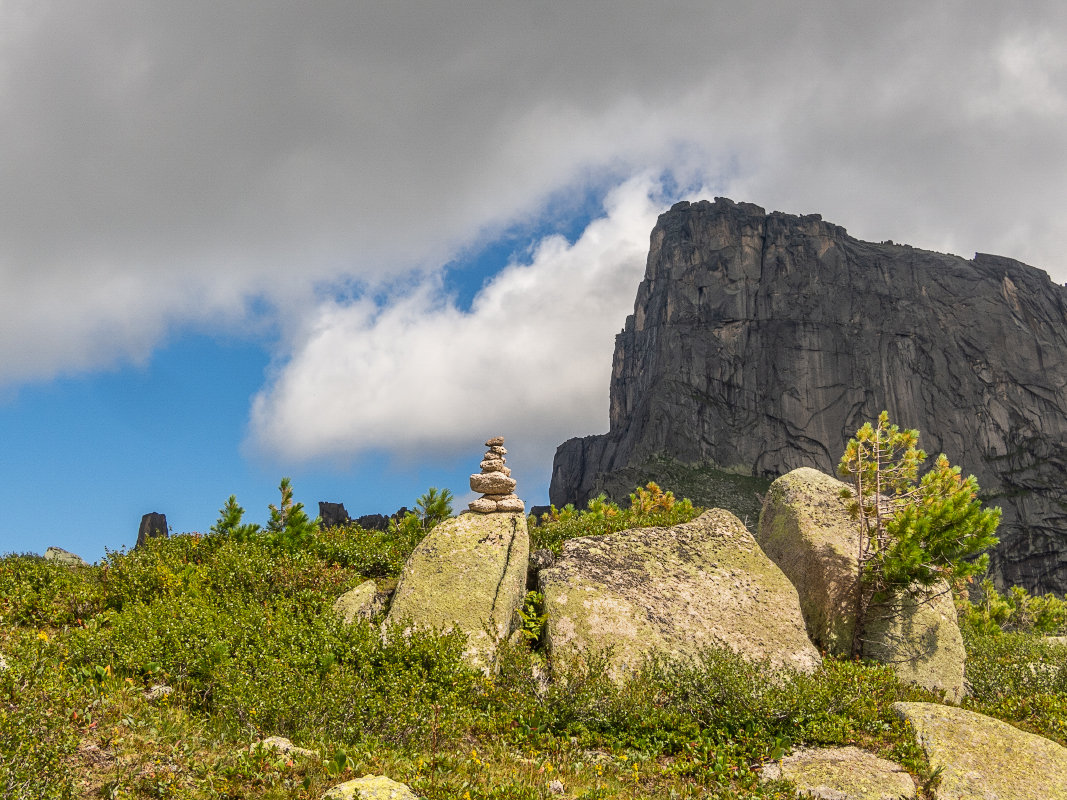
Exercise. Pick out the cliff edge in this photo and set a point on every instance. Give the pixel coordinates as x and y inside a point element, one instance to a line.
<point>760,342</point>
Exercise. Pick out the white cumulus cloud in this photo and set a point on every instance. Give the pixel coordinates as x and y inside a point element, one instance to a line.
<point>531,359</point>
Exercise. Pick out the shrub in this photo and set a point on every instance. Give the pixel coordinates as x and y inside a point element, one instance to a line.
<point>34,591</point>
<point>35,737</point>
<point>650,507</point>
<point>912,533</point>
<point>1016,611</point>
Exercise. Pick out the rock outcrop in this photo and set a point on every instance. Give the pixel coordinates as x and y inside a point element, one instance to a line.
<point>982,757</point>
<point>468,573</point>
<point>760,343</point>
<point>842,773</point>
<point>152,525</point>
<point>64,557</point>
<point>333,515</point>
<point>806,530</point>
<point>704,583</point>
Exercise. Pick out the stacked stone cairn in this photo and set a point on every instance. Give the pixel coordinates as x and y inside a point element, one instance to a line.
<point>495,482</point>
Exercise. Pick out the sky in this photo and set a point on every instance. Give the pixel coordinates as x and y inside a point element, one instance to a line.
<point>347,242</point>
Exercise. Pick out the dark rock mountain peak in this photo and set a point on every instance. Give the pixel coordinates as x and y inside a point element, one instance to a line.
<point>760,342</point>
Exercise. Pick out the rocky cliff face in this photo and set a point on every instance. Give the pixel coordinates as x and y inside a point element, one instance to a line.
<point>760,342</point>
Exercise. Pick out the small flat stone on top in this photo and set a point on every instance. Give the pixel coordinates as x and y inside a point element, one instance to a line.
<point>494,441</point>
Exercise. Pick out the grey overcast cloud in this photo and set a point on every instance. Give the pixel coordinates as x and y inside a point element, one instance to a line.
<point>308,170</point>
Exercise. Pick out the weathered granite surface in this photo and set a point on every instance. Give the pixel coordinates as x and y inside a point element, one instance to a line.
<point>370,787</point>
<point>982,757</point>
<point>842,773</point>
<point>675,591</point>
<point>469,573</point>
<point>761,342</point>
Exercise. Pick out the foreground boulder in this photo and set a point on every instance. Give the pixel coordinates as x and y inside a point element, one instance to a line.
<point>370,787</point>
<point>806,530</point>
<point>982,757</point>
<point>469,573</point>
<point>842,773</point>
<point>679,590</point>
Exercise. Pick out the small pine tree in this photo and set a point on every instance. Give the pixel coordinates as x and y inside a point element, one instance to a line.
<point>433,507</point>
<point>289,523</point>
<point>229,522</point>
<point>913,533</point>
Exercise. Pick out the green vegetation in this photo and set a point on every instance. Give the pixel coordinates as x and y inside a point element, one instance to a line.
<point>649,507</point>
<point>913,532</point>
<point>239,626</point>
<point>705,485</point>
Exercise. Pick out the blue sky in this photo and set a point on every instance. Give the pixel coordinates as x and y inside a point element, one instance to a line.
<point>345,243</point>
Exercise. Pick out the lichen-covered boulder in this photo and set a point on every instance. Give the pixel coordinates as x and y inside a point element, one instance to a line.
<point>676,591</point>
<point>64,557</point>
<point>842,773</point>
<point>806,530</point>
<point>919,637</point>
<point>362,602</point>
<point>982,757</point>
<point>370,787</point>
<point>469,573</point>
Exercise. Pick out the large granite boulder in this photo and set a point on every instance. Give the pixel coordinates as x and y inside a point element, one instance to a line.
<point>760,343</point>
<point>842,773</point>
<point>676,591</point>
<point>982,757</point>
<point>469,573</point>
<point>806,530</point>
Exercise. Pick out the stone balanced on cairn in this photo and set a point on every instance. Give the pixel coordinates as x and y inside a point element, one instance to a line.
<point>495,482</point>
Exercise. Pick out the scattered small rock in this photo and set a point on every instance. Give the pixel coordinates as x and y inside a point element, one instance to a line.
<point>842,773</point>
<point>365,601</point>
<point>282,745</point>
<point>555,786</point>
<point>158,692</point>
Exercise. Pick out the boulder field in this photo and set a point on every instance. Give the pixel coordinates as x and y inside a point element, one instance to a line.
<point>710,583</point>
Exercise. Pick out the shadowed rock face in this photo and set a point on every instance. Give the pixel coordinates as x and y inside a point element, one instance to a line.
<point>760,342</point>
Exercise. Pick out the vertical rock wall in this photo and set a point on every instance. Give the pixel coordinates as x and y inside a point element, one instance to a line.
<point>760,342</point>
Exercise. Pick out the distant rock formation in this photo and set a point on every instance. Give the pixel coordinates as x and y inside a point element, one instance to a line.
<point>152,525</point>
<point>333,515</point>
<point>64,557</point>
<point>760,343</point>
